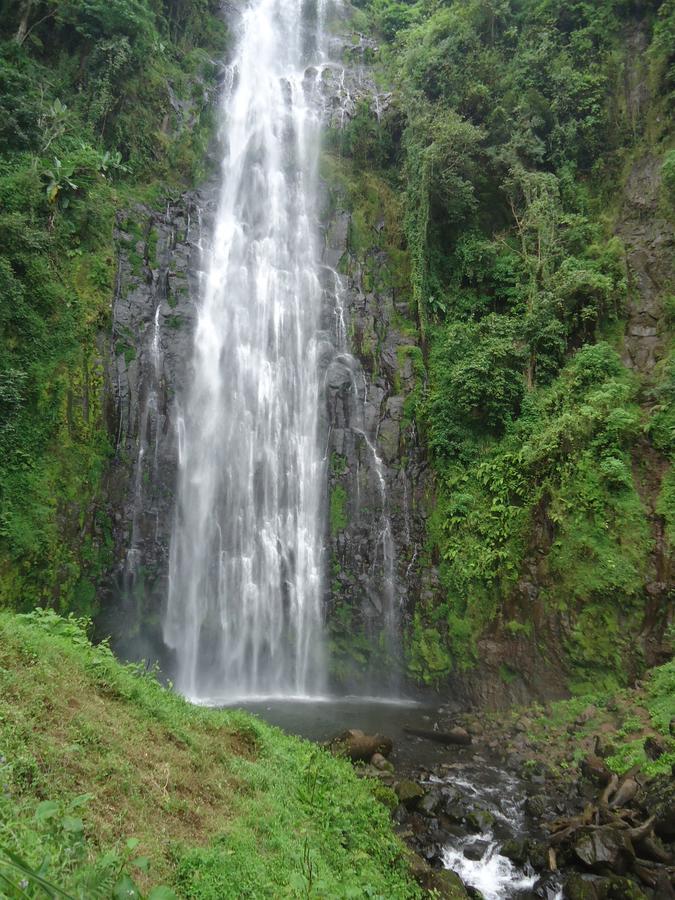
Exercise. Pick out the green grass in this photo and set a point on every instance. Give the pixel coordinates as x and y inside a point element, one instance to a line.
<point>105,775</point>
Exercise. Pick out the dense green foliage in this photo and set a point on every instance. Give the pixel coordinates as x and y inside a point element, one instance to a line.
<point>511,132</point>
<point>100,103</point>
<point>111,784</point>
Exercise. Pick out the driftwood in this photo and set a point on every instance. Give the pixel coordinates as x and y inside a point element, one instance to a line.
<point>618,833</point>
<point>457,735</point>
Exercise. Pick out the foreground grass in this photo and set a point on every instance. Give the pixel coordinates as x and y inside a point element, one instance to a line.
<point>110,784</point>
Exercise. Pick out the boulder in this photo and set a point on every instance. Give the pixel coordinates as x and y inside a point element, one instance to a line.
<point>358,746</point>
<point>595,769</point>
<point>655,746</point>
<point>475,850</point>
<point>615,888</point>
<point>409,793</point>
<point>626,792</point>
<point>382,763</point>
<point>659,801</point>
<point>586,716</point>
<point>480,820</point>
<point>605,848</point>
<point>604,746</point>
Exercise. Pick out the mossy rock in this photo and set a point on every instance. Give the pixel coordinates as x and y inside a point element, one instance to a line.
<point>480,820</point>
<point>409,793</point>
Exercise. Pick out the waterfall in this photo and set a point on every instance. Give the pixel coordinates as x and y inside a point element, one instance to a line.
<point>243,614</point>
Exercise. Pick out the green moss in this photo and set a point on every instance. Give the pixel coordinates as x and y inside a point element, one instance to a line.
<point>338,509</point>
<point>428,658</point>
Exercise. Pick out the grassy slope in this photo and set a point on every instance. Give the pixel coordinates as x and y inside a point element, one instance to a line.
<point>93,754</point>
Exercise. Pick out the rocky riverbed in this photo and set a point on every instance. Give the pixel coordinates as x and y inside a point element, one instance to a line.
<point>489,821</point>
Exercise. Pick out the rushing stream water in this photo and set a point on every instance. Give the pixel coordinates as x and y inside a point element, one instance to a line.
<point>245,575</point>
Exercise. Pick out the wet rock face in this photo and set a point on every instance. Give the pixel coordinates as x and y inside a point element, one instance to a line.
<point>152,326</point>
<point>649,240</point>
<point>377,473</point>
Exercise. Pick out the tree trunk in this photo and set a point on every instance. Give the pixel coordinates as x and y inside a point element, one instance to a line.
<point>20,35</point>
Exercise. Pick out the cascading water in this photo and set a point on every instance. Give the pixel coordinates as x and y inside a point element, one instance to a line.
<point>243,614</point>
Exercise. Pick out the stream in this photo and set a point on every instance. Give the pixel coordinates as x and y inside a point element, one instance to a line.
<point>466,785</point>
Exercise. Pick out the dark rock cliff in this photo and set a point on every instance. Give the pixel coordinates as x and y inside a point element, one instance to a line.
<point>158,274</point>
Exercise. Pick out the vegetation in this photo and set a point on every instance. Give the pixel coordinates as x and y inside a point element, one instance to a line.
<point>111,785</point>
<point>509,139</point>
<point>101,104</point>
<point>561,734</point>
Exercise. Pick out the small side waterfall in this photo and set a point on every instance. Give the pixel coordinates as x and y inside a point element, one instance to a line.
<point>243,615</point>
<point>382,589</point>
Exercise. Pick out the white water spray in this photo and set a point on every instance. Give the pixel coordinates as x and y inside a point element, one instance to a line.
<point>243,614</point>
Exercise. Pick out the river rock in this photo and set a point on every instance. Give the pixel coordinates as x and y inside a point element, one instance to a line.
<point>454,811</point>
<point>456,735</point>
<point>536,806</point>
<point>381,763</point>
<point>449,885</point>
<point>581,887</point>
<point>480,820</point>
<point>538,855</point>
<point>516,851</point>
<point>430,803</point>
<point>604,848</point>
<point>547,887</point>
<point>476,850</point>
<point>358,746</point>
<point>409,793</point>
<point>445,884</point>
